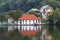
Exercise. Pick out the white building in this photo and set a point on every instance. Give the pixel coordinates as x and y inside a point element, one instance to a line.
<point>28,22</point>
<point>10,26</point>
<point>46,11</point>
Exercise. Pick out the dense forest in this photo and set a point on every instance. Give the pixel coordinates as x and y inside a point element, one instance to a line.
<point>25,5</point>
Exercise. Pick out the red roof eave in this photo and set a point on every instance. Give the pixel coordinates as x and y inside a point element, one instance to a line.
<point>29,17</point>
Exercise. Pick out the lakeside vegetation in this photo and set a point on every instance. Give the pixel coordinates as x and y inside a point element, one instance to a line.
<point>15,8</point>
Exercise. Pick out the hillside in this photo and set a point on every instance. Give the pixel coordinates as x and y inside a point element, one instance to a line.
<point>25,5</point>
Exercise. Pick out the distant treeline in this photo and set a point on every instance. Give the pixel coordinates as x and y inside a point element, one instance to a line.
<point>25,5</point>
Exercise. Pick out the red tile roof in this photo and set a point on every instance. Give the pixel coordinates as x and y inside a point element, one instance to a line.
<point>28,17</point>
<point>28,33</point>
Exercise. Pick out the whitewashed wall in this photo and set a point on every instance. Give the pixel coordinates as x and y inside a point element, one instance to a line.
<point>24,22</point>
<point>27,28</point>
<point>19,22</point>
<point>44,15</point>
<point>29,21</point>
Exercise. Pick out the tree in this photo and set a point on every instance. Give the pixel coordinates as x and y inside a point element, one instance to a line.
<point>53,18</point>
<point>56,15</point>
<point>53,3</point>
<point>3,17</point>
<point>31,12</point>
<point>15,14</point>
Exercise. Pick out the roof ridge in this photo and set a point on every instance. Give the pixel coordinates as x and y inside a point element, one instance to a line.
<point>28,17</point>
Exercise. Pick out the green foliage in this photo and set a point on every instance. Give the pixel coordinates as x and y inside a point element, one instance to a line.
<point>53,19</point>
<point>55,16</point>
<point>15,14</point>
<point>31,12</point>
<point>6,5</point>
<point>25,5</point>
<point>2,17</point>
<point>54,3</point>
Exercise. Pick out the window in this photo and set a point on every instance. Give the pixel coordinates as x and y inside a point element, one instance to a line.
<point>29,20</point>
<point>33,21</point>
<point>20,21</point>
<point>26,21</point>
<point>36,21</point>
<point>23,21</point>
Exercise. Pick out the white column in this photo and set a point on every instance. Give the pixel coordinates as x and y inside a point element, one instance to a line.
<point>18,21</point>
<point>37,21</point>
<point>27,21</point>
<point>24,21</point>
<point>34,21</point>
<point>40,21</point>
<point>31,21</point>
<point>21,21</point>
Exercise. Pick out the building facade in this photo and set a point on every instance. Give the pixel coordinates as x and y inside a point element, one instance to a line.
<point>46,11</point>
<point>29,22</point>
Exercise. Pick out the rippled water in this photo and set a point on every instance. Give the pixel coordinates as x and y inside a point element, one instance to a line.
<point>5,35</point>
